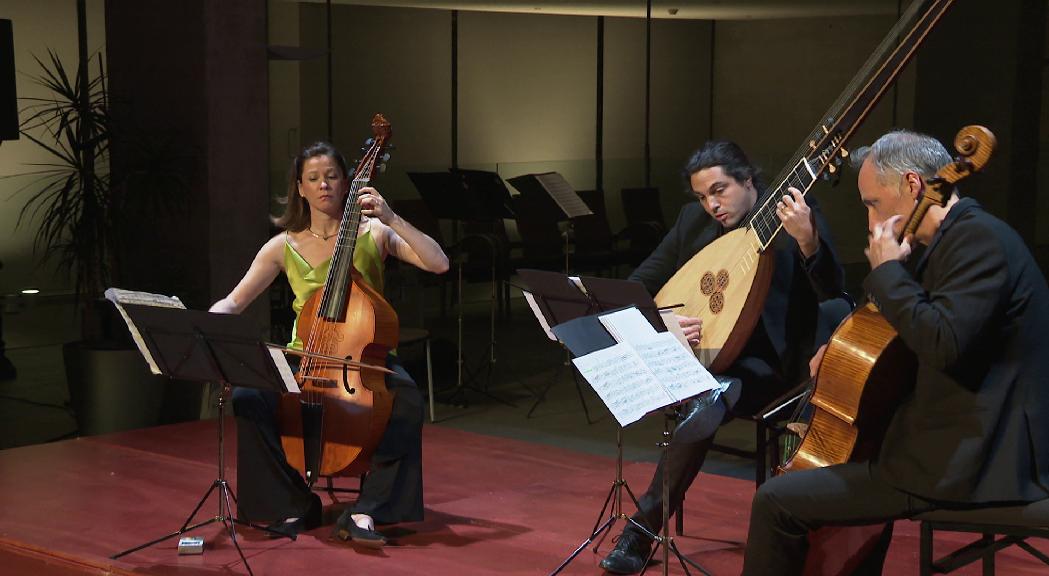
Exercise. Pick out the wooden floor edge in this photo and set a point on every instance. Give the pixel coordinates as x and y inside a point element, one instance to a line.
<point>91,566</point>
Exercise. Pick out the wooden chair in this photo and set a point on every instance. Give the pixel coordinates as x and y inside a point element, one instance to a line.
<point>998,527</point>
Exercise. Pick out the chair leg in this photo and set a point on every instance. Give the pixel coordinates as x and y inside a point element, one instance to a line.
<point>925,550</point>
<point>988,554</point>
<point>429,382</point>
<point>761,454</point>
<point>774,451</point>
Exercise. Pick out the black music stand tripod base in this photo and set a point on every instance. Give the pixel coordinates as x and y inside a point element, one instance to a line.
<point>665,540</point>
<point>225,515</point>
<point>486,362</point>
<point>614,506</point>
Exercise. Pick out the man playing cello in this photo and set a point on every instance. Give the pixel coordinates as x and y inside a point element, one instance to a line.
<point>975,312</point>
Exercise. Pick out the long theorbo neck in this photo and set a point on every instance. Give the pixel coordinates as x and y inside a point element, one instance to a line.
<point>340,275</point>
<point>824,151</point>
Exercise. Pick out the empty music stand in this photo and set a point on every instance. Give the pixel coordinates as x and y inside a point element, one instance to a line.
<point>470,196</point>
<point>205,347</point>
<point>549,193</point>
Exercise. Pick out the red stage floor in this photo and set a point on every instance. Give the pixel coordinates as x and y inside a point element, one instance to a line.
<point>493,506</point>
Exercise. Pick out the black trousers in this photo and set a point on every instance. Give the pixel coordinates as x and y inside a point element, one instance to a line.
<point>268,488</point>
<point>695,434</point>
<point>787,507</point>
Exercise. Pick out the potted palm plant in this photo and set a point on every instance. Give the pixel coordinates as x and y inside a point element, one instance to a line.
<point>81,209</point>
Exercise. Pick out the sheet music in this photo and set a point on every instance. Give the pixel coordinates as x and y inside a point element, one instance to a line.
<point>119,297</point>
<point>628,325</point>
<point>562,193</point>
<point>623,382</point>
<point>675,367</point>
<point>669,318</point>
<point>281,362</point>
<point>578,283</point>
<point>646,370</point>
<point>538,314</point>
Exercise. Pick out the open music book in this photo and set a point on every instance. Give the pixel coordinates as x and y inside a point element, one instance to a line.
<point>644,371</point>
<point>119,297</point>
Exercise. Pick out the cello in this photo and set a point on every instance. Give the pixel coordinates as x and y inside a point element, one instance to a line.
<point>725,283</point>
<point>332,427</point>
<point>867,369</point>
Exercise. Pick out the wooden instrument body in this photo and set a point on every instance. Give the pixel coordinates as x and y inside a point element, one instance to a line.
<point>355,413</point>
<point>334,425</point>
<point>724,285</point>
<point>866,371</point>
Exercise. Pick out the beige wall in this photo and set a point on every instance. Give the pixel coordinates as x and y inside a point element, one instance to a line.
<point>527,94</point>
<point>773,82</point>
<point>679,104</point>
<point>285,102</point>
<point>38,25</point>
<point>401,69</point>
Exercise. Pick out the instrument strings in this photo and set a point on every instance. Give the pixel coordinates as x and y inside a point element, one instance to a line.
<point>847,112</point>
<point>321,339</point>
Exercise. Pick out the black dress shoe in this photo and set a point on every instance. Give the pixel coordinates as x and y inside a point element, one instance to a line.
<point>629,555</point>
<point>347,529</point>
<point>291,528</point>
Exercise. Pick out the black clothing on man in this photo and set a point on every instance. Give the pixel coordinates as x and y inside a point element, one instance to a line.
<point>976,314</point>
<point>774,359</point>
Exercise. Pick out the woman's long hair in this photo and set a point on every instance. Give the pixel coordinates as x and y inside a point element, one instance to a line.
<point>296,216</point>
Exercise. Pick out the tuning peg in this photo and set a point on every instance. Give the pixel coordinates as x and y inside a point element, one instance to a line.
<point>386,157</point>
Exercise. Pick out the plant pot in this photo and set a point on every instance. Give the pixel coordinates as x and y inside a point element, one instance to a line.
<point>111,389</point>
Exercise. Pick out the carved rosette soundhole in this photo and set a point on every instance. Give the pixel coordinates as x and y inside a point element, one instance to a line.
<point>717,302</point>
<point>714,286</point>
<point>722,280</point>
<point>706,284</point>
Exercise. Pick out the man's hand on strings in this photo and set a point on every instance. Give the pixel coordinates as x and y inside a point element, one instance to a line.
<point>691,328</point>
<point>883,246</point>
<point>797,220</point>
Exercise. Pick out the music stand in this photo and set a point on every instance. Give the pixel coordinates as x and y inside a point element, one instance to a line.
<point>558,301</point>
<point>561,300</point>
<point>469,196</point>
<point>201,346</point>
<point>550,193</point>
<point>582,336</point>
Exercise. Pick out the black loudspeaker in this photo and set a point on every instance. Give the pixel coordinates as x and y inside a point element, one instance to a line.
<point>8,99</point>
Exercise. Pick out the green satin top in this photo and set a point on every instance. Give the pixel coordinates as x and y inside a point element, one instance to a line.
<point>305,279</point>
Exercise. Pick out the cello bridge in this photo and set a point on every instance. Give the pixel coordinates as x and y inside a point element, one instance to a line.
<point>320,382</point>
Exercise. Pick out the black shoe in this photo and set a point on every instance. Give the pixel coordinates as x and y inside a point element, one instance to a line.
<point>308,521</point>
<point>629,555</point>
<point>347,529</point>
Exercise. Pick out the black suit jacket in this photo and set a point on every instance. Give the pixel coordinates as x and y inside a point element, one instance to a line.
<point>976,314</point>
<point>789,315</point>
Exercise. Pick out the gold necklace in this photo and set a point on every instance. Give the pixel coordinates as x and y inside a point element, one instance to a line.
<point>322,237</point>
